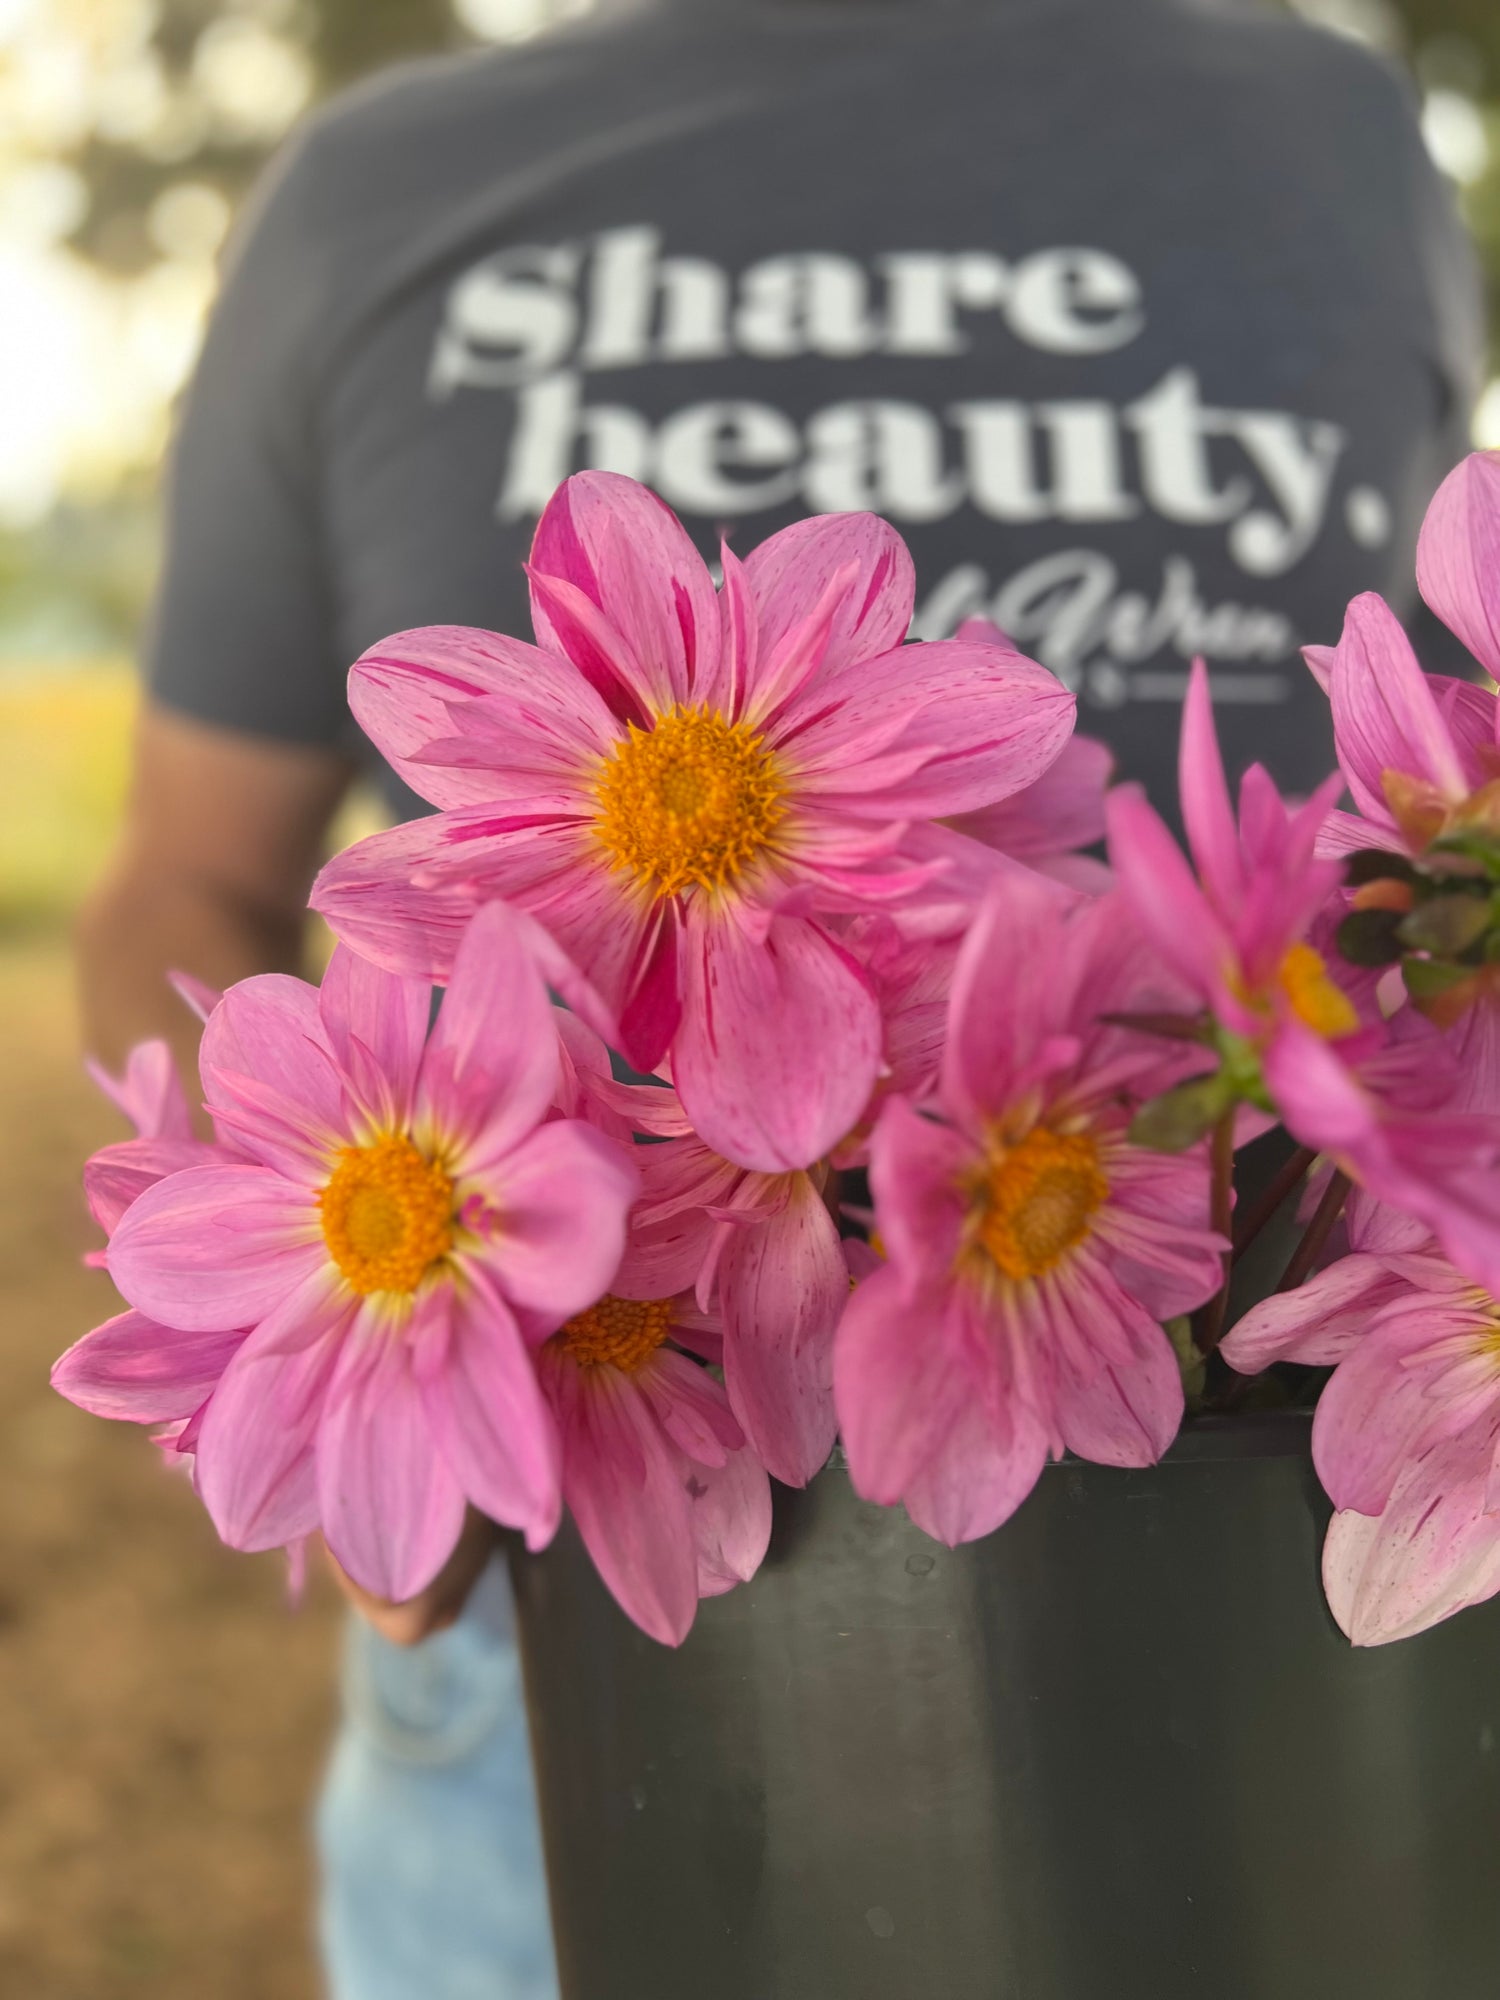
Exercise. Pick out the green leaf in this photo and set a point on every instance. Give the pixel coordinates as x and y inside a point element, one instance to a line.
<point>1427,978</point>
<point>1191,1365</point>
<point>1180,1118</point>
<point>1370,937</point>
<point>1443,925</point>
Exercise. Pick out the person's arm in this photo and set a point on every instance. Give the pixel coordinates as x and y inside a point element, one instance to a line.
<point>223,833</point>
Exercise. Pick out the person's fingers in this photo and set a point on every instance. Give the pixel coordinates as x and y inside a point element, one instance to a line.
<point>440,1603</point>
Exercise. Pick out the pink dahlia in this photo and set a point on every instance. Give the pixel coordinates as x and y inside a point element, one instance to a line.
<point>131,1368</point>
<point>1406,1438</point>
<point>1421,751</point>
<point>1235,923</point>
<point>406,1219</point>
<point>670,1502</point>
<point>1033,1251</point>
<point>689,789</point>
<point>763,1250</point>
<point>1249,928</point>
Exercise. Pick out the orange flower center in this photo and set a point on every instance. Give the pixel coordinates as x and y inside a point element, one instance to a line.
<point>691,801</point>
<point>1035,1201</point>
<point>1313,996</point>
<point>387,1215</point>
<point>617,1333</point>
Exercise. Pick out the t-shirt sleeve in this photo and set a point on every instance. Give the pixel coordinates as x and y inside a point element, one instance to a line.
<point>241,632</point>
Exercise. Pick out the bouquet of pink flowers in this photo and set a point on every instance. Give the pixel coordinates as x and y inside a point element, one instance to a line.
<point>826,889</point>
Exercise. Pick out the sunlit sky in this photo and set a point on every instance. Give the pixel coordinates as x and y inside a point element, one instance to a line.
<point>90,363</point>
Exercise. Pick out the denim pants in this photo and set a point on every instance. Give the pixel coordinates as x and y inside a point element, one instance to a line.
<point>433,1886</point>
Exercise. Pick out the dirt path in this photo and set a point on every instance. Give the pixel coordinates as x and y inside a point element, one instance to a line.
<point>162,1713</point>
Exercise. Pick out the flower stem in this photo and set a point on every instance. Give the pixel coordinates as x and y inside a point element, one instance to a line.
<point>1253,1221</point>
<point>1211,1318</point>
<point>1317,1233</point>
<point>1175,1027</point>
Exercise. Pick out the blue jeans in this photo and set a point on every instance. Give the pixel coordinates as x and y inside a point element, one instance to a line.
<point>433,1886</point>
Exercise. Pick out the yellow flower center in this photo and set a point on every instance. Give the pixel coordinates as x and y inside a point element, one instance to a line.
<point>617,1333</point>
<point>692,800</point>
<point>387,1215</point>
<point>1036,1200</point>
<point>1314,998</point>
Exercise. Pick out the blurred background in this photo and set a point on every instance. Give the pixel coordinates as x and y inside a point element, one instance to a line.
<point>163,1713</point>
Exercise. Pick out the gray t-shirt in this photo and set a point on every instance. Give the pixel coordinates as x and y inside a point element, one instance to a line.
<point>1147,322</point>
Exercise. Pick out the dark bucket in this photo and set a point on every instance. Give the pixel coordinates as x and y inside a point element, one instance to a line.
<point>1117,1751</point>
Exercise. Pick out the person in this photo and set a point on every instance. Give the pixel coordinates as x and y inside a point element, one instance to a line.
<point>1146,321</point>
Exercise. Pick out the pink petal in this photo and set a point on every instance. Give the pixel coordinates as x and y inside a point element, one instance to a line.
<point>491,1066</point>
<point>730,1518</point>
<point>899,1381</point>
<point>789,573</point>
<point>991,720</point>
<point>1001,1016</point>
<point>915,1169</point>
<point>671,1231</point>
<point>1384,715</point>
<point>1061,810</point>
<point>270,1073</point>
<point>1458,556</point>
<point>1213,836</point>
<point>149,1093</point>
<point>624,1486</point>
<point>629,555</point>
<point>1318,1323</point>
<point>553,1226</point>
<point>1124,1415</point>
<point>651,1010</point>
<point>1434,1551</point>
<point>255,1462</point>
<point>214,1249</point>
<point>392,1510</point>
<point>376,1025</point>
<point>1376,1411</point>
<point>117,1176</point>
<point>691,1406</point>
<point>977,1479</point>
<point>405,898</point>
<point>739,636</point>
<point>1345,833</point>
<point>779,1043</point>
<point>468,717</point>
<point>782,1287</point>
<point>147,1374</point>
<point>1164,893</point>
<point>490,1419</point>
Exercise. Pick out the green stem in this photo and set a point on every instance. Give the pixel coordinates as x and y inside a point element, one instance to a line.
<point>1211,1319</point>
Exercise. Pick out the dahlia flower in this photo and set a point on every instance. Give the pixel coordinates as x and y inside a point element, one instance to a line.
<point>1251,932</point>
<point>1421,751</point>
<point>131,1368</point>
<point>689,790</point>
<point>671,1504</point>
<point>764,1252</point>
<point>1235,924</point>
<point>1032,1250</point>
<point>1406,1433</point>
<point>404,1221</point>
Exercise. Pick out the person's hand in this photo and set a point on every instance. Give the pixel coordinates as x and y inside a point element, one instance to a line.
<point>439,1605</point>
